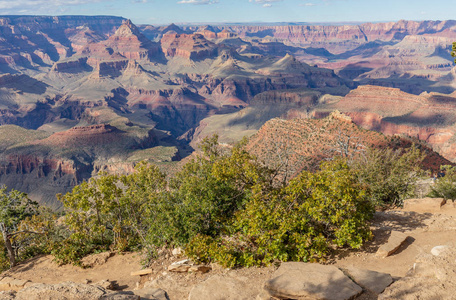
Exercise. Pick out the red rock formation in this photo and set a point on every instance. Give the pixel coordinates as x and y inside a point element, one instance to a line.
<point>190,46</point>
<point>428,117</point>
<point>127,43</point>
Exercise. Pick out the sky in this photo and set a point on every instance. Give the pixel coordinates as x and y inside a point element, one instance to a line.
<point>159,12</point>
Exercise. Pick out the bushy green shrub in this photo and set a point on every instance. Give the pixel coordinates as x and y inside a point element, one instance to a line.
<point>389,176</point>
<point>445,186</point>
<point>300,222</point>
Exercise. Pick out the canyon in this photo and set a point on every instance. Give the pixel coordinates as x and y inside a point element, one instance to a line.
<point>80,94</point>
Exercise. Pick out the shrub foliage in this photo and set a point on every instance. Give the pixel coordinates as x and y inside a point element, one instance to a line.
<point>226,206</point>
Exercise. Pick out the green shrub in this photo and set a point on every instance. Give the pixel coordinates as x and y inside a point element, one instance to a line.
<point>445,187</point>
<point>300,222</point>
<point>389,176</point>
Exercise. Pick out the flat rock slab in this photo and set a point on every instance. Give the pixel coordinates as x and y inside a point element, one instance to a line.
<point>372,281</point>
<point>395,240</point>
<point>70,290</point>
<point>219,287</point>
<point>296,280</point>
<point>423,204</point>
<point>152,293</point>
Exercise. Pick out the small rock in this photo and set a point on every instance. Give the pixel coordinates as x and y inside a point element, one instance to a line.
<point>179,268</point>
<point>395,241</point>
<point>152,293</point>
<point>106,284</point>
<point>141,272</point>
<point>177,251</point>
<point>437,250</point>
<point>182,262</point>
<point>297,280</point>
<point>372,281</point>
<point>200,268</point>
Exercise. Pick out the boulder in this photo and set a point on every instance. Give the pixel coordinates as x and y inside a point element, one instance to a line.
<point>423,204</point>
<point>395,241</point>
<point>219,287</point>
<point>152,293</point>
<point>296,280</point>
<point>372,281</point>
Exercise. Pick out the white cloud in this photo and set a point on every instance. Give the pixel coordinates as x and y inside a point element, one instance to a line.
<point>309,4</point>
<point>198,2</point>
<point>264,1</point>
<point>30,4</point>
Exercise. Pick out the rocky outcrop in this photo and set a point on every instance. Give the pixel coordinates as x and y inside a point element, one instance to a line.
<point>294,280</point>
<point>190,46</point>
<point>428,117</point>
<point>126,43</point>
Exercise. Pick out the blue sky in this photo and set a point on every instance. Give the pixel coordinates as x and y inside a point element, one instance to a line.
<point>212,11</point>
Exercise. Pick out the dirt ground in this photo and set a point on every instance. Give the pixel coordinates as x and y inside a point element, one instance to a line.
<point>425,231</point>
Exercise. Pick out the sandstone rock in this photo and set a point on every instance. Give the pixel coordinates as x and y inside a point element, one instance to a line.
<point>372,281</point>
<point>96,259</point>
<point>141,272</point>
<point>395,240</point>
<point>152,293</point>
<point>71,290</point>
<point>179,268</point>
<point>177,251</point>
<point>106,284</point>
<point>65,290</point>
<point>424,204</point>
<point>296,280</point>
<point>219,287</point>
<point>200,268</point>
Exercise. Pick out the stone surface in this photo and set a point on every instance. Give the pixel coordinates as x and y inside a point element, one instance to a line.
<point>71,290</point>
<point>141,272</point>
<point>395,240</point>
<point>179,268</point>
<point>220,287</point>
<point>431,277</point>
<point>96,259</point>
<point>200,268</point>
<point>177,251</point>
<point>372,281</point>
<point>296,280</point>
<point>424,204</point>
<point>106,284</point>
<point>152,293</point>
<point>65,290</point>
